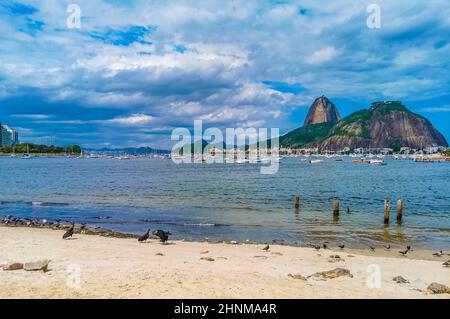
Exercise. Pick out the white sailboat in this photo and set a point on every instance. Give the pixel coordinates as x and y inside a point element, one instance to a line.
<point>27,155</point>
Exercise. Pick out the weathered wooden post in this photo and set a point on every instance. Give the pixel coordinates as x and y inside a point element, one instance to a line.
<point>399,210</point>
<point>387,210</point>
<point>297,202</point>
<point>336,207</point>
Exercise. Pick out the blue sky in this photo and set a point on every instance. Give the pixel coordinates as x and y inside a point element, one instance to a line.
<point>137,69</point>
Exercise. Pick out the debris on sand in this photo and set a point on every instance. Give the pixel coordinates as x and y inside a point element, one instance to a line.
<point>400,280</point>
<point>12,266</point>
<point>207,258</point>
<point>436,288</point>
<point>297,276</point>
<point>335,258</point>
<point>41,265</point>
<point>331,274</point>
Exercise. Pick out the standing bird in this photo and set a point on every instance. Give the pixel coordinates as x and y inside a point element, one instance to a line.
<point>266,248</point>
<point>145,236</point>
<point>69,232</point>
<point>324,245</point>
<point>342,246</point>
<point>404,252</point>
<point>439,254</point>
<point>388,246</point>
<point>163,236</point>
<point>372,248</point>
<point>348,209</point>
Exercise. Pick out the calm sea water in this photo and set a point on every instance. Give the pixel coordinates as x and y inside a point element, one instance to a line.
<point>234,201</point>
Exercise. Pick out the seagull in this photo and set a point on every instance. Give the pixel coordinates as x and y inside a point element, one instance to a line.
<point>145,236</point>
<point>388,246</point>
<point>341,246</point>
<point>266,248</point>
<point>69,232</point>
<point>163,235</point>
<point>438,254</point>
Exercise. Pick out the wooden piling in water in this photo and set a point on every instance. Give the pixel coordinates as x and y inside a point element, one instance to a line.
<point>297,202</point>
<point>336,207</point>
<point>387,210</point>
<point>399,210</point>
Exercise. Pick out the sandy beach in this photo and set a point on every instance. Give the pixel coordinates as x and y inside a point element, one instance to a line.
<point>89,266</point>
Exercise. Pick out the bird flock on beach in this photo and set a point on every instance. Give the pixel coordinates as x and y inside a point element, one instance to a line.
<point>163,236</point>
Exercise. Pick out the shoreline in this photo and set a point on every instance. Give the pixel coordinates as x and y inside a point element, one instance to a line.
<point>123,268</point>
<point>90,230</point>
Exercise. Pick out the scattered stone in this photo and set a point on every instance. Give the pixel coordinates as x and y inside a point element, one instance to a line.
<point>436,288</point>
<point>400,280</point>
<point>41,265</point>
<point>13,266</point>
<point>207,258</point>
<point>297,276</point>
<point>350,256</point>
<point>205,252</point>
<point>335,258</point>
<point>159,254</point>
<point>446,264</point>
<point>331,274</point>
<point>263,257</point>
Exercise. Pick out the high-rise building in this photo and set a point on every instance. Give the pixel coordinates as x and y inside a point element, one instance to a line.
<point>8,136</point>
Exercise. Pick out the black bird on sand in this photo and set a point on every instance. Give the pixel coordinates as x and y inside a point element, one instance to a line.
<point>388,246</point>
<point>341,246</point>
<point>69,232</point>
<point>163,235</point>
<point>439,254</point>
<point>266,248</point>
<point>404,252</point>
<point>372,248</point>
<point>324,245</point>
<point>145,236</point>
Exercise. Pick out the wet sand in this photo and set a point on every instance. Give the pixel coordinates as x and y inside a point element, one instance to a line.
<point>89,266</point>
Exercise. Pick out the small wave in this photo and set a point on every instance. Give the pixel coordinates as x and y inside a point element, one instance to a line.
<point>39,203</point>
<point>203,224</point>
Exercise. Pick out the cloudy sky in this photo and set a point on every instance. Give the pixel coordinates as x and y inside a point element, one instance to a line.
<point>135,70</point>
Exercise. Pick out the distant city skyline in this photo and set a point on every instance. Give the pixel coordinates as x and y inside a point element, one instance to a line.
<point>136,70</point>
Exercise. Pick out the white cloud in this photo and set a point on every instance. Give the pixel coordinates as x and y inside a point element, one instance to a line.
<point>134,119</point>
<point>322,55</point>
<point>436,109</point>
<point>31,116</point>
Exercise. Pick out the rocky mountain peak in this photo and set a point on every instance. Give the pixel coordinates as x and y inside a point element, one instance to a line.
<point>322,111</point>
